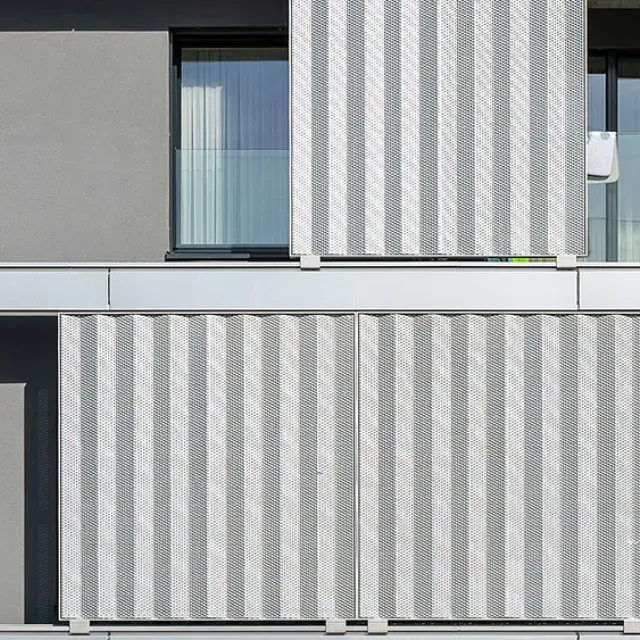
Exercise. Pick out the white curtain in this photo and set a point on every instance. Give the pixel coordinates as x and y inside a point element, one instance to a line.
<point>233,162</point>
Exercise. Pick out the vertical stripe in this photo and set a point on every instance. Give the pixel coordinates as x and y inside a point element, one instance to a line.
<point>198,461</point>
<point>501,126</point>
<point>254,469</point>
<point>107,468</point>
<point>520,131</point>
<point>369,469</point>
<point>337,126</point>
<point>533,466</point>
<point>301,127</point>
<point>636,470</point>
<point>624,467</point>
<point>569,461</point>
<point>143,340</point>
<point>441,465</point>
<point>552,471</point>
<point>483,133</point>
<point>587,465</point>
<point>477,475</point>
<point>387,516</point>
<point>465,103</point>
<point>374,116</point>
<point>607,399</point>
<point>423,447</point>
<point>179,466</point>
<point>404,468</point>
<point>90,441</point>
<point>161,470</point>
<point>345,461</point>
<point>125,461</point>
<point>392,130</point>
<point>557,127</point>
<point>326,534</point>
<point>271,382</point>
<point>447,133</point>
<point>355,128</point>
<point>72,466</point>
<point>539,140</point>
<point>319,131</point>
<point>428,131</point>
<point>410,118</point>
<point>635,552</point>
<point>514,467</point>
<point>289,349</point>
<point>496,427</point>
<point>459,467</point>
<point>575,124</point>
<point>309,444</point>
<point>237,442</point>
<point>218,348</point>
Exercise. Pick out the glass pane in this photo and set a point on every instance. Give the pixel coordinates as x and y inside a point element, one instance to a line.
<point>596,94</point>
<point>597,230</point>
<point>629,198</point>
<point>233,164</point>
<point>629,95</point>
<point>596,117</point>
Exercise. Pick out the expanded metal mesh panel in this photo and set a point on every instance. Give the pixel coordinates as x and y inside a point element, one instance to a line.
<point>441,127</point>
<point>207,467</point>
<point>499,467</point>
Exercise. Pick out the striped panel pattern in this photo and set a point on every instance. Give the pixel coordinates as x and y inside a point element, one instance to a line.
<point>438,128</point>
<point>499,467</point>
<point>207,467</point>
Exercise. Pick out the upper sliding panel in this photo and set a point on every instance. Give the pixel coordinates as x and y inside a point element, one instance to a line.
<point>438,128</point>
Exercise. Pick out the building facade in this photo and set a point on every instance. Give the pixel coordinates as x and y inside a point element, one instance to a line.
<point>311,322</point>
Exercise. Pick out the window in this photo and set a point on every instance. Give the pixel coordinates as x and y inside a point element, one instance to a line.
<point>614,105</point>
<point>231,138</point>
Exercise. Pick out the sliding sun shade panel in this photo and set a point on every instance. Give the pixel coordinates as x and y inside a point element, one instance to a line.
<point>207,468</point>
<point>438,128</point>
<point>499,467</point>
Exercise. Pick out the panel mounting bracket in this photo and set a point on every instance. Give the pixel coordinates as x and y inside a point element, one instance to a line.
<point>564,263</point>
<point>631,626</point>
<point>310,263</point>
<point>377,626</point>
<point>335,627</point>
<point>78,627</point>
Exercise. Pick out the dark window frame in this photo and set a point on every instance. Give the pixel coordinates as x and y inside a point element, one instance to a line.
<point>237,38</point>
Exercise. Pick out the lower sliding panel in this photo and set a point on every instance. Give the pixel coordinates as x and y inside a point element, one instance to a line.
<point>499,467</point>
<point>207,467</point>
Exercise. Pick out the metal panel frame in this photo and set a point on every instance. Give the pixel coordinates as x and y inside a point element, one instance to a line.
<point>216,624</point>
<point>504,624</point>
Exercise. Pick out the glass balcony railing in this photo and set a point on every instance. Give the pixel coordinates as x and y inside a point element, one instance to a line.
<point>629,197</point>
<point>230,198</point>
<point>621,203</point>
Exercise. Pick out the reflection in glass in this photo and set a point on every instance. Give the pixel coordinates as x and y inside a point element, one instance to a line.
<point>597,223</point>
<point>596,115</point>
<point>233,164</point>
<point>596,94</point>
<point>629,95</point>
<point>629,198</point>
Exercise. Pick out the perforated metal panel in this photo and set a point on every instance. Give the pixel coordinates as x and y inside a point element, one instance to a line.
<point>442,127</point>
<point>207,467</point>
<point>500,467</point>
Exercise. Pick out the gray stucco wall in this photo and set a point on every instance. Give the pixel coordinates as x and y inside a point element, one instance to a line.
<point>84,150</point>
<point>84,122</point>
<point>12,501</point>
